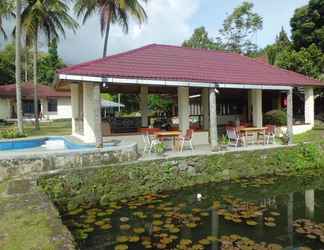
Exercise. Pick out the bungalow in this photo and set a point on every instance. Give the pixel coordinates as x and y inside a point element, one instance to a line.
<point>52,104</point>
<point>228,86</point>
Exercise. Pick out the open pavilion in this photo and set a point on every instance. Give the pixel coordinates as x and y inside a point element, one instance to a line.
<point>220,79</point>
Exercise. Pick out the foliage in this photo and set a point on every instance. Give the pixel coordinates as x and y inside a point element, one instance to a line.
<point>160,103</point>
<point>308,61</point>
<point>275,117</point>
<point>155,176</point>
<point>239,29</point>
<point>7,64</point>
<point>11,134</point>
<point>6,10</point>
<point>49,63</point>
<point>111,12</point>
<point>160,148</point>
<point>201,40</point>
<point>308,25</point>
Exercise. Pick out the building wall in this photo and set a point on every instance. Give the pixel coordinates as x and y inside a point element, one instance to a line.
<point>4,108</point>
<point>64,109</point>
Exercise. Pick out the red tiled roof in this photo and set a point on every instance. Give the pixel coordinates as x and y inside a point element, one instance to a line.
<point>164,62</point>
<point>27,89</point>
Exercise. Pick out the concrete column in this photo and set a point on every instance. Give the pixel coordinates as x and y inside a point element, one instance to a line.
<point>205,107</point>
<point>213,119</point>
<point>290,116</point>
<point>44,108</point>
<point>92,131</point>
<point>183,108</point>
<point>257,107</point>
<point>75,103</point>
<point>310,203</point>
<point>144,106</point>
<point>309,105</point>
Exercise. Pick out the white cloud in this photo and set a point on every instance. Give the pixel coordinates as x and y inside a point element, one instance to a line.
<point>168,23</point>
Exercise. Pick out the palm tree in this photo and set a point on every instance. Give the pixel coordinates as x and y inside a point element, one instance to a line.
<point>111,12</point>
<point>49,17</point>
<point>18,67</point>
<point>6,10</point>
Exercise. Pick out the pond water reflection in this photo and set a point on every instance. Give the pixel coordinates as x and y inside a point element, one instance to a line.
<point>260,213</point>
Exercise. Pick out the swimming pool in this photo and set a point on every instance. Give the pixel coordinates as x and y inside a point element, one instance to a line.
<point>48,143</point>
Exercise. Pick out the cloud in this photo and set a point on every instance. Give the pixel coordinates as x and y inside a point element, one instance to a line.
<point>168,23</point>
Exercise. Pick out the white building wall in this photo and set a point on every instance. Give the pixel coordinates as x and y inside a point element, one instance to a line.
<point>64,109</point>
<point>4,108</point>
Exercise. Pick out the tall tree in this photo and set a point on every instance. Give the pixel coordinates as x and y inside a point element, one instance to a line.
<point>18,67</point>
<point>239,29</point>
<point>308,25</point>
<point>200,39</point>
<point>49,17</point>
<point>6,11</point>
<point>111,12</point>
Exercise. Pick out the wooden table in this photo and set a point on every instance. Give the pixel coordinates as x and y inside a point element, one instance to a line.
<point>254,130</point>
<point>168,134</point>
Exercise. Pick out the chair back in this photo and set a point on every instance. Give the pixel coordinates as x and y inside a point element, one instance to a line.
<point>146,139</point>
<point>231,133</point>
<point>189,134</point>
<point>271,129</point>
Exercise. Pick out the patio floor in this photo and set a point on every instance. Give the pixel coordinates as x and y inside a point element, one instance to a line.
<point>206,150</point>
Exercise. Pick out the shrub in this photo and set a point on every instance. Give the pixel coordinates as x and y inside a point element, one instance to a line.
<point>11,134</point>
<point>275,117</point>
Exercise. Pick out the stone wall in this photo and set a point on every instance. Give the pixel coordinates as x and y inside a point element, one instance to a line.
<point>30,164</point>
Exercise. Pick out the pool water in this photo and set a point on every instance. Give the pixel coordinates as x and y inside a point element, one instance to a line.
<point>49,143</point>
<point>261,213</point>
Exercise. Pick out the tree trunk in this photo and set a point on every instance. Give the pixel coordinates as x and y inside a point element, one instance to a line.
<point>107,35</point>
<point>26,64</point>
<point>35,82</point>
<point>18,67</point>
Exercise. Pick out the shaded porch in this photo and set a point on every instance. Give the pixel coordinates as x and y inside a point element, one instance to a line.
<point>207,110</point>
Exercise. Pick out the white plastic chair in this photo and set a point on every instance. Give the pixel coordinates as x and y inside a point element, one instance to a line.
<point>234,136</point>
<point>186,139</point>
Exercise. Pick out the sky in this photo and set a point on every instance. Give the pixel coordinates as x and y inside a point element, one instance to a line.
<point>172,22</point>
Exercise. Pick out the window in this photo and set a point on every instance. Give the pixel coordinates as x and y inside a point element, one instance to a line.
<point>52,105</point>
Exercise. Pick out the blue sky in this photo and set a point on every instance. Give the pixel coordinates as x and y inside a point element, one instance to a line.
<point>171,22</point>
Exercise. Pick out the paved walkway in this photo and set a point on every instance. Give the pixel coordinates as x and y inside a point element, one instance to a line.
<point>206,150</point>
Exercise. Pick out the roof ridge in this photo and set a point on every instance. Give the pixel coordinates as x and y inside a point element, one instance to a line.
<point>198,49</point>
<point>107,57</point>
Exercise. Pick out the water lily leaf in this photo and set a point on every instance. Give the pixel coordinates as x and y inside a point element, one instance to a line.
<point>251,223</point>
<point>121,247</point>
<point>139,230</point>
<point>122,239</point>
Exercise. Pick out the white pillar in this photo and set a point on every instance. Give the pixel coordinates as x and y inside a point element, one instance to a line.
<point>310,204</point>
<point>205,107</point>
<point>290,116</point>
<point>183,109</point>
<point>92,131</point>
<point>309,105</point>
<point>213,119</point>
<point>75,103</point>
<point>257,107</point>
<point>44,108</point>
<point>144,105</point>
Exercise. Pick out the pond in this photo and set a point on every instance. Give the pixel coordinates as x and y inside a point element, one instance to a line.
<point>267,212</point>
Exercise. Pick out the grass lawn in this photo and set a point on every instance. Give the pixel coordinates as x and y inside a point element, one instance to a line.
<point>316,135</point>
<point>59,127</point>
